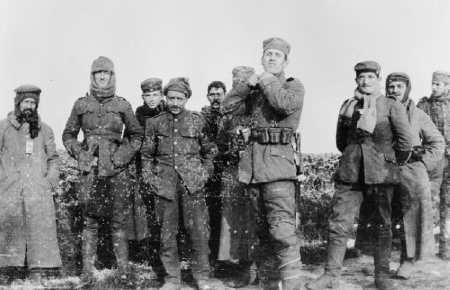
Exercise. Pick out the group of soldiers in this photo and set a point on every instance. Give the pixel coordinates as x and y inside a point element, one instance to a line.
<point>227,176</point>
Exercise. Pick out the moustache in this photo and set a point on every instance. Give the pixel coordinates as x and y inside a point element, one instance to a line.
<point>218,102</point>
<point>174,107</point>
<point>28,111</point>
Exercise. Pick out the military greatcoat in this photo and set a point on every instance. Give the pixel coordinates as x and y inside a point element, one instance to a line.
<point>27,212</point>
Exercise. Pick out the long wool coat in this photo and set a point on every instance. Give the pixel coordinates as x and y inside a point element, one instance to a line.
<point>27,211</point>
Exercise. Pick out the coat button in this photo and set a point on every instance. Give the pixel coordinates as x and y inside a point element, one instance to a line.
<point>176,130</point>
<point>176,167</point>
<point>176,120</point>
<point>175,143</point>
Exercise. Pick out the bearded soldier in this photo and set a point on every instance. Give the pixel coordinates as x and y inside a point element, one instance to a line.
<point>29,170</point>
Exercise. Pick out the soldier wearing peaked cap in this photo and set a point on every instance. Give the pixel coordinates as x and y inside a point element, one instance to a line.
<point>142,230</point>
<point>274,105</point>
<point>29,170</point>
<point>437,106</point>
<point>368,125</point>
<point>177,159</point>
<point>103,159</point>
<point>414,188</point>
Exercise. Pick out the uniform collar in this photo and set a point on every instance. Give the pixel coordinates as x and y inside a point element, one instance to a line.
<point>445,98</point>
<point>179,116</point>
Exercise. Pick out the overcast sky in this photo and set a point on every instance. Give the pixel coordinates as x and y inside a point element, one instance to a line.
<point>52,44</point>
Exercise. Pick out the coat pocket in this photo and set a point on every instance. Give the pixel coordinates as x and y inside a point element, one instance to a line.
<point>380,168</point>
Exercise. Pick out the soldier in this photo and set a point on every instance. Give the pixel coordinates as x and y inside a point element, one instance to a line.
<point>142,227</point>
<point>103,158</point>
<point>414,188</point>
<point>275,105</point>
<point>29,171</point>
<point>238,239</point>
<point>213,115</point>
<point>368,125</point>
<point>177,160</point>
<point>438,107</point>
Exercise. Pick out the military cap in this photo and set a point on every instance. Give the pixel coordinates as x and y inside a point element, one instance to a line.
<point>241,73</point>
<point>27,91</point>
<point>397,76</point>
<point>441,76</point>
<point>102,64</point>
<point>150,85</point>
<point>179,84</point>
<point>368,66</point>
<point>277,43</point>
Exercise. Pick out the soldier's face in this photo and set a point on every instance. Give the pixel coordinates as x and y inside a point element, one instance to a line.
<point>152,99</point>
<point>215,97</point>
<point>397,89</point>
<point>102,78</point>
<point>274,61</point>
<point>367,82</point>
<point>176,102</point>
<point>439,89</point>
<point>27,106</point>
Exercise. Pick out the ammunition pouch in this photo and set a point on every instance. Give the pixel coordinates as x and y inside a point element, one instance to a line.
<point>272,135</point>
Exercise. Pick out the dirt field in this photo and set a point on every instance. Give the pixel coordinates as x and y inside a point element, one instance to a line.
<point>357,274</point>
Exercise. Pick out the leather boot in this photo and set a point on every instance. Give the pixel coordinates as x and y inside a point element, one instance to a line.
<point>120,245</point>
<point>405,269</point>
<point>268,274</point>
<point>384,282</point>
<point>382,255</point>
<point>247,277</point>
<point>330,279</point>
<point>89,252</point>
<point>326,281</point>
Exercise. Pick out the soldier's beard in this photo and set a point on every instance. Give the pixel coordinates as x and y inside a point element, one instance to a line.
<point>27,112</point>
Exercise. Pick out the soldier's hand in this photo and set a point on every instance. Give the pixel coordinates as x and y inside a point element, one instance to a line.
<point>253,80</point>
<point>265,75</point>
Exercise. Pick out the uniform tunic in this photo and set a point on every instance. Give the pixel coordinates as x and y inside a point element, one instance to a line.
<point>270,169</point>
<point>367,171</point>
<point>177,159</point>
<point>439,111</point>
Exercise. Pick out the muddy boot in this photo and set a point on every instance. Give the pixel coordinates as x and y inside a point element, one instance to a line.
<point>89,252</point>
<point>384,282</point>
<point>405,269</point>
<point>120,246</point>
<point>326,281</point>
<point>330,279</point>
<point>248,275</point>
<point>268,274</point>
<point>382,255</point>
